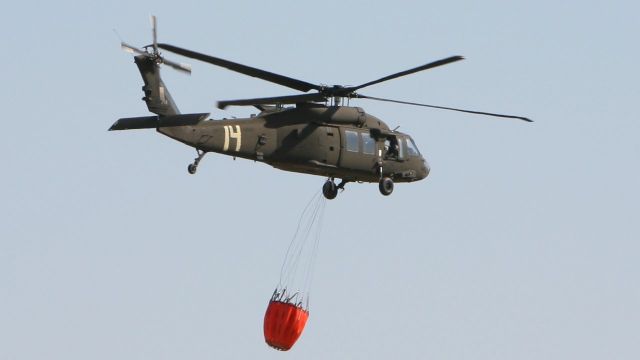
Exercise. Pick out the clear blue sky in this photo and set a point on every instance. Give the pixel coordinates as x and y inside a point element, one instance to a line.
<point>523,243</point>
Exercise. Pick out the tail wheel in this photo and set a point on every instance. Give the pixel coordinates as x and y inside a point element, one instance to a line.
<point>386,186</point>
<point>330,190</point>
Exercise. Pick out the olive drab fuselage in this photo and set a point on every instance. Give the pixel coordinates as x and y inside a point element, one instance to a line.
<point>335,142</point>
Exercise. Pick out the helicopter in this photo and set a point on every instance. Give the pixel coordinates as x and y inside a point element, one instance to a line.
<point>311,133</point>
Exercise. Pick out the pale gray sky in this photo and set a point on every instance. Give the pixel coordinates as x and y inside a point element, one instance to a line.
<point>521,244</point>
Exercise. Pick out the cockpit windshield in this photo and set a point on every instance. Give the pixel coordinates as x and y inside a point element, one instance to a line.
<point>412,149</point>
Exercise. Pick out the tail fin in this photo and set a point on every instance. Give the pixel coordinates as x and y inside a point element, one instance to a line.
<point>156,95</point>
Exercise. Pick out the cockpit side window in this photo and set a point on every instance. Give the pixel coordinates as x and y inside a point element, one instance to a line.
<point>412,149</point>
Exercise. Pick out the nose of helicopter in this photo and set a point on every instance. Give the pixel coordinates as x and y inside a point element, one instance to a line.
<point>425,169</point>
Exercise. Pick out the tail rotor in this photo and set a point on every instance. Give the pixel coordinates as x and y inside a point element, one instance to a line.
<point>152,52</point>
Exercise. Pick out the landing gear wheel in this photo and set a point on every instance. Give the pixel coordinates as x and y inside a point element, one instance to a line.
<point>193,167</point>
<point>330,190</point>
<point>385,186</point>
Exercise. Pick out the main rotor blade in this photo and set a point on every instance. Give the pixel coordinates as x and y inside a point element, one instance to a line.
<point>243,69</point>
<point>410,71</point>
<point>291,99</point>
<point>445,108</point>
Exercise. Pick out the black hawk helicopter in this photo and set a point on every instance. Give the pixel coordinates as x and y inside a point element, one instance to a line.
<point>316,136</point>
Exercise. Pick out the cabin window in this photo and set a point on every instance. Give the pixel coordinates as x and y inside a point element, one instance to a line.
<point>368,144</point>
<point>352,140</point>
<point>412,149</point>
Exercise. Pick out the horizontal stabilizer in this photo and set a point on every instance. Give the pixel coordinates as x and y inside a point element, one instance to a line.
<point>144,122</point>
<point>153,122</point>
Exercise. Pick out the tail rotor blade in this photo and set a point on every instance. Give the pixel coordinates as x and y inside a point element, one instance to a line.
<point>186,68</point>
<point>154,29</point>
<point>132,49</point>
